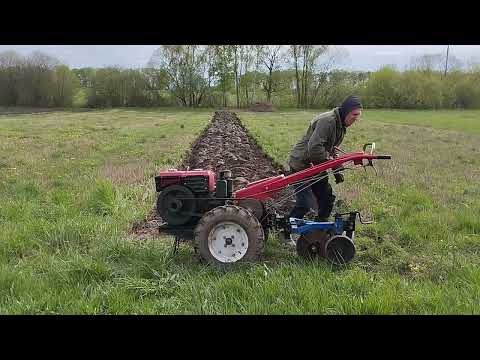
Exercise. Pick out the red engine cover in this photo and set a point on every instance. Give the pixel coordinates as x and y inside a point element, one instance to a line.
<point>171,177</point>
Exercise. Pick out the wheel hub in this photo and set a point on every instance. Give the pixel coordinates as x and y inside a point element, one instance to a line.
<point>228,242</point>
<point>175,205</point>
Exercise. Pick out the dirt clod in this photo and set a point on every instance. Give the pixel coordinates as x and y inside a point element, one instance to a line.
<point>262,106</point>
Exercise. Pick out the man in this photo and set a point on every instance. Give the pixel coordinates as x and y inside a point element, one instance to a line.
<point>325,132</point>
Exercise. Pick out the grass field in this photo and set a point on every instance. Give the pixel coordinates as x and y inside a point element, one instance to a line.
<point>71,185</point>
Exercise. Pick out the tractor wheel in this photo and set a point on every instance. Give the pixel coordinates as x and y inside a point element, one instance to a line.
<point>228,234</point>
<point>254,206</point>
<point>257,208</point>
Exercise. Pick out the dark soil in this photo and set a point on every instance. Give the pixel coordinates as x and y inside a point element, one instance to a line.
<point>224,145</point>
<point>262,106</point>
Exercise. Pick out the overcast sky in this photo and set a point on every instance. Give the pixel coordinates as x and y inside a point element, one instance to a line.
<point>361,57</point>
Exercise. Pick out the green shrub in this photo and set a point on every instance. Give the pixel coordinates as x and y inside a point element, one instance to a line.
<point>382,88</point>
<point>467,93</point>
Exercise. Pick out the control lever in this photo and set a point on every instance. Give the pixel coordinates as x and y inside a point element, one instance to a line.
<point>361,220</point>
<point>372,149</point>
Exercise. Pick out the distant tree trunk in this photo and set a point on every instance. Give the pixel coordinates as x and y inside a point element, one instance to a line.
<point>268,89</point>
<point>271,58</point>
<point>302,98</point>
<point>224,93</point>
<point>62,90</point>
<point>321,81</point>
<point>446,61</point>
<point>295,59</point>
<point>258,60</point>
<point>235,70</point>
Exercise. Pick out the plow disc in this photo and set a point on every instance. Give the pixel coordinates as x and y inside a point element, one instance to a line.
<point>312,244</point>
<point>338,249</point>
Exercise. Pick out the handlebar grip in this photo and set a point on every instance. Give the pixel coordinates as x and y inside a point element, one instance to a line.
<point>386,157</point>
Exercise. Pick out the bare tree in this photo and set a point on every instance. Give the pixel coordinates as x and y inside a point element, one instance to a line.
<point>258,51</point>
<point>43,61</point>
<point>311,64</point>
<point>427,62</point>
<point>446,61</point>
<point>272,58</point>
<point>206,70</point>
<point>243,58</point>
<point>328,60</point>
<point>295,52</point>
<point>435,63</point>
<point>236,50</point>
<point>247,60</point>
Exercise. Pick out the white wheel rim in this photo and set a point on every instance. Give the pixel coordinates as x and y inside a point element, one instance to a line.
<point>228,242</point>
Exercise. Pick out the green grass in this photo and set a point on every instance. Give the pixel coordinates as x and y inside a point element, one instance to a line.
<point>72,184</point>
<point>425,200</point>
<point>457,120</point>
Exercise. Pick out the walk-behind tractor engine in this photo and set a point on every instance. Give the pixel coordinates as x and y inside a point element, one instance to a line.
<point>228,226</point>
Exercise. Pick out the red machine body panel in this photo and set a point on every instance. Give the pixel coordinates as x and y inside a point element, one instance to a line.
<point>263,189</point>
<point>172,177</point>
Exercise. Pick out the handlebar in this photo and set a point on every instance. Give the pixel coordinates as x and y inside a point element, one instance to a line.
<point>372,144</point>
<point>372,149</point>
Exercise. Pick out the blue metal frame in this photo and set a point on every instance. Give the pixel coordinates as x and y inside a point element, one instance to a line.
<point>300,226</point>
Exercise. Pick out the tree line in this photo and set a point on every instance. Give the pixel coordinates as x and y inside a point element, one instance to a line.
<point>36,80</point>
<point>302,76</point>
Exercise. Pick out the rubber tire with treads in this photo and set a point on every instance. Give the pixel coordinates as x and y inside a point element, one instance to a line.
<point>235,214</point>
<point>257,208</point>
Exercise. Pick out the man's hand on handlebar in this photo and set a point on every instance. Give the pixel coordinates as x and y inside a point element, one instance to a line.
<point>338,178</point>
<point>338,175</point>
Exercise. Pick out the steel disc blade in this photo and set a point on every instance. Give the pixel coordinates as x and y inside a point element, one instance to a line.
<point>312,244</point>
